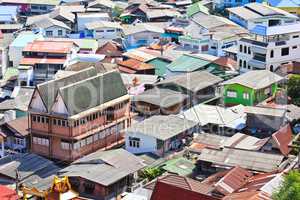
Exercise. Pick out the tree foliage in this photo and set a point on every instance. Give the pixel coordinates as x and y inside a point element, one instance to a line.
<point>151,173</point>
<point>294,88</point>
<point>290,188</point>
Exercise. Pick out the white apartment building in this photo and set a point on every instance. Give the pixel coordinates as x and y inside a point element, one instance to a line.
<point>269,47</point>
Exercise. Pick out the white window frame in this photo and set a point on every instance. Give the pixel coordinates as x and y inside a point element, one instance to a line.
<point>231,94</point>
<point>246,95</point>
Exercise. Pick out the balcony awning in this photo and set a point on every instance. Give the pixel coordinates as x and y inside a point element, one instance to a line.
<point>257,64</point>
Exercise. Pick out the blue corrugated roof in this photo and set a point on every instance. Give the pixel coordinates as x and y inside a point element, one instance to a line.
<point>23,39</point>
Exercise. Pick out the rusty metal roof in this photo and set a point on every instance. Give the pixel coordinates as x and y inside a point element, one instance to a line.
<point>50,46</point>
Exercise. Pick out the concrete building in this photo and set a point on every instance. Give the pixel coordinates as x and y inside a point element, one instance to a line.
<point>269,47</point>
<point>159,134</point>
<point>77,114</point>
<point>253,14</point>
<point>42,59</point>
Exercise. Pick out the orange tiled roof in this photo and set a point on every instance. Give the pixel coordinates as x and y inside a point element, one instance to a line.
<point>50,46</point>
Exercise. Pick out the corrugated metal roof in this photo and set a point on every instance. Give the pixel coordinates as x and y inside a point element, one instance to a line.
<point>187,63</point>
<point>256,161</point>
<point>265,111</point>
<point>104,167</point>
<point>163,98</point>
<point>162,127</point>
<point>255,79</point>
<point>49,46</point>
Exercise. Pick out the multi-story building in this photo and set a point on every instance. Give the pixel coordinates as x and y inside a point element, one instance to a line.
<point>78,114</point>
<point>269,47</point>
<point>252,14</point>
<point>221,4</point>
<point>42,59</point>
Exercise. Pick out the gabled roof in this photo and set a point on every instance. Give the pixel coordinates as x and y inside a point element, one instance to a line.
<point>49,22</point>
<point>227,63</point>
<point>27,165</point>
<point>195,8</point>
<point>256,79</point>
<point>233,180</point>
<point>91,92</point>
<point>104,167</point>
<point>194,81</point>
<point>259,10</point>
<point>18,126</point>
<point>188,63</point>
<point>163,98</point>
<point>142,27</point>
<point>282,138</point>
<point>209,114</point>
<point>105,3</point>
<point>172,126</point>
<point>48,90</point>
<point>178,188</point>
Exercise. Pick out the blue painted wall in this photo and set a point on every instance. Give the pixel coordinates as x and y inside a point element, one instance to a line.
<point>234,3</point>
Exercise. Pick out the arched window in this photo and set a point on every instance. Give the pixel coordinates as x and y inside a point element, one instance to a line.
<point>245,64</point>
<point>272,54</point>
<point>245,49</point>
<point>241,48</point>
<point>271,68</point>
<point>240,63</point>
<point>249,50</point>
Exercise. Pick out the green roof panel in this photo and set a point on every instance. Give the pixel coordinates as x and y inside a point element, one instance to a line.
<point>188,63</point>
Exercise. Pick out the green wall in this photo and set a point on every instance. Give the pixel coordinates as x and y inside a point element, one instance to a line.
<point>255,96</point>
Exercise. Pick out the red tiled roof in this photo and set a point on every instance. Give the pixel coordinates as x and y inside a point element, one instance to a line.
<point>226,62</point>
<point>135,64</point>
<point>177,189</point>
<point>282,138</point>
<point>254,195</point>
<point>7,194</point>
<point>50,46</point>
<point>33,61</point>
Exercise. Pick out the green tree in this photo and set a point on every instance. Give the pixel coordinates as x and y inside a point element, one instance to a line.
<point>290,188</point>
<point>294,88</point>
<point>151,173</point>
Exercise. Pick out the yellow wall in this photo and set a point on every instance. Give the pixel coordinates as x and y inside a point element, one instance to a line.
<point>291,9</point>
